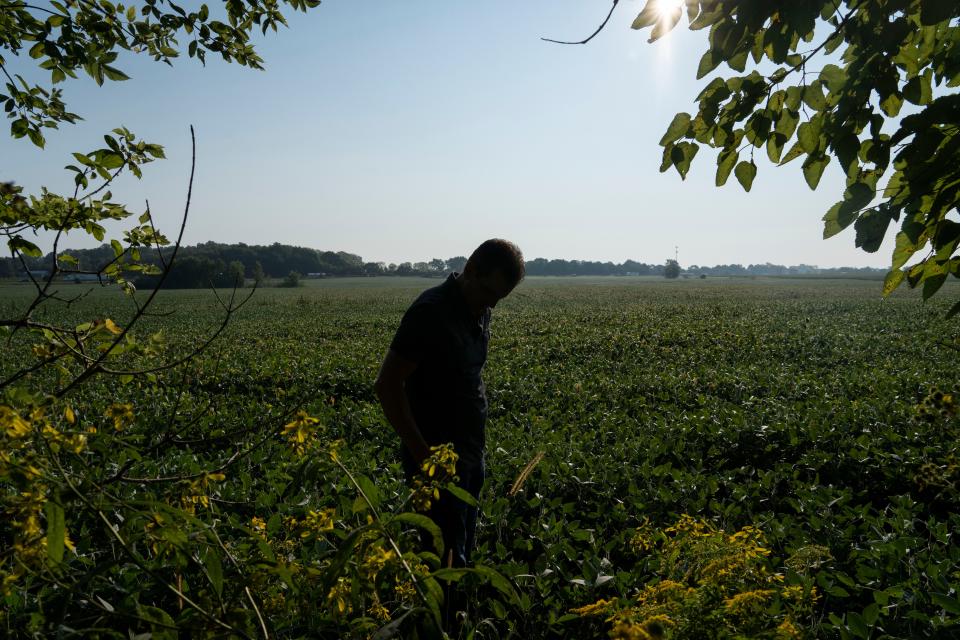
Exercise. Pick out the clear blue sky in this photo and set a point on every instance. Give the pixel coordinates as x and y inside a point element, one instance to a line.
<point>407,131</point>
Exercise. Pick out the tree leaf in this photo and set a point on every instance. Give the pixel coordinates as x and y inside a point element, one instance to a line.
<point>678,127</point>
<point>833,76</point>
<point>745,172</point>
<point>813,169</point>
<point>836,219</point>
<point>871,227</point>
<point>954,310</point>
<point>813,96</point>
<point>708,62</point>
<point>665,24</point>
<point>905,247</point>
<point>893,280</point>
<point>56,529</point>
<point>682,155</point>
<point>932,284</point>
<point>936,11</point>
<point>775,146</point>
<point>725,162</point>
<point>648,16</point>
<point>27,248</point>
<point>795,152</point>
<point>114,74</point>
<point>808,134</point>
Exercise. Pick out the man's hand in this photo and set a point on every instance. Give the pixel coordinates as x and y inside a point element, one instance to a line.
<point>389,388</point>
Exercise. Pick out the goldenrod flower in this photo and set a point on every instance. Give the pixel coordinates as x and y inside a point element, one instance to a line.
<point>318,522</point>
<point>121,414</point>
<point>379,612</point>
<point>600,607</point>
<point>376,559</point>
<point>748,601</point>
<point>339,596</point>
<point>787,630</point>
<point>405,591</point>
<point>300,431</point>
<point>629,631</point>
<point>12,423</point>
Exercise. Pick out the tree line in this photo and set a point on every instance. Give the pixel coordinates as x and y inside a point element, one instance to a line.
<point>218,264</point>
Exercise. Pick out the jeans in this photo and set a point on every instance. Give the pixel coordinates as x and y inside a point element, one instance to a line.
<point>457,520</point>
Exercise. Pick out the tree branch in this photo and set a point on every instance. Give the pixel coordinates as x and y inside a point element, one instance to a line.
<point>592,35</point>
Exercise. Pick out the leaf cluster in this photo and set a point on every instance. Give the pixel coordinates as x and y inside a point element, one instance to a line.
<point>868,85</point>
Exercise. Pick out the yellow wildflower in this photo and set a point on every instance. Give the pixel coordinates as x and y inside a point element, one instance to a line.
<point>12,423</point>
<point>339,596</point>
<point>300,431</point>
<point>441,457</point>
<point>629,631</point>
<point>379,612</point>
<point>112,327</point>
<point>318,522</point>
<point>748,601</point>
<point>121,414</point>
<point>376,559</point>
<point>405,591</point>
<point>598,608</point>
<point>787,630</point>
<point>690,525</point>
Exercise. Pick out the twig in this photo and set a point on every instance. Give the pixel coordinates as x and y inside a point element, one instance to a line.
<point>91,370</point>
<point>592,35</point>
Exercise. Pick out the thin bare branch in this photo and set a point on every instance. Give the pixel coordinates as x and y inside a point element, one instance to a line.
<point>592,35</point>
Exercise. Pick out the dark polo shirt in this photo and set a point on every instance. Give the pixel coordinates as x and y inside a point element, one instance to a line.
<point>445,391</point>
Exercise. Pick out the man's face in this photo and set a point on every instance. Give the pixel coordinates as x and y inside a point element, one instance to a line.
<point>482,291</point>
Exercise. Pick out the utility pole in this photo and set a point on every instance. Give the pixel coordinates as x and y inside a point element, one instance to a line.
<point>676,254</point>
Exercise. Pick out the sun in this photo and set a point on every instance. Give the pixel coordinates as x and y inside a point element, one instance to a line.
<point>668,10</point>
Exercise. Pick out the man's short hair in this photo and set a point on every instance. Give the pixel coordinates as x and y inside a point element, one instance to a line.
<point>498,255</point>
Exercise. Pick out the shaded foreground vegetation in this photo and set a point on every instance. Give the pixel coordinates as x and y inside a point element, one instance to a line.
<point>777,459</point>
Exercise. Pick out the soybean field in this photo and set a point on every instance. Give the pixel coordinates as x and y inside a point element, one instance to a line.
<point>756,458</point>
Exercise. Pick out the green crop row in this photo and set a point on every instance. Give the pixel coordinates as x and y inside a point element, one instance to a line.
<point>812,413</point>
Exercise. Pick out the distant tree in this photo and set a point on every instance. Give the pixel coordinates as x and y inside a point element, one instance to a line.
<point>671,269</point>
<point>456,264</point>
<point>438,265</point>
<point>292,280</point>
<point>374,268</point>
<point>830,80</point>
<point>258,275</point>
<point>236,273</point>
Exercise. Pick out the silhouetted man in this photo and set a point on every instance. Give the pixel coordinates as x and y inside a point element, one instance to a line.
<point>430,384</point>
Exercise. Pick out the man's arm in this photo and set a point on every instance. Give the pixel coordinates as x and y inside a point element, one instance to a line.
<point>389,388</point>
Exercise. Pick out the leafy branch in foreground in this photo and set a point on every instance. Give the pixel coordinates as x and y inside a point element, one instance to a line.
<point>869,84</point>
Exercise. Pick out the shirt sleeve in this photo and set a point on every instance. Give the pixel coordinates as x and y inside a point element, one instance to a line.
<point>416,337</point>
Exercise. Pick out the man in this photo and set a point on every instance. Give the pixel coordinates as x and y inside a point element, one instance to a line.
<point>430,384</point>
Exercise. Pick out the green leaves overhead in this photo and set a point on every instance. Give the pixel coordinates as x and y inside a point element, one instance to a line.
<point>677,129</point>
<point>86,38</point>
<point>871,86</point>
<point>746,172</point>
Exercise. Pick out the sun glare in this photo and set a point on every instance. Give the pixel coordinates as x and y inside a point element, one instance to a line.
<point>668,9</point>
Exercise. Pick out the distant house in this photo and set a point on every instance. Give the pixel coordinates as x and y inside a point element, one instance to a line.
<point>78,278</point>
<point>34,274</point>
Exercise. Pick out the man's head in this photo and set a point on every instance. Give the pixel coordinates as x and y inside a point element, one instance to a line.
<point>491,273</point>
